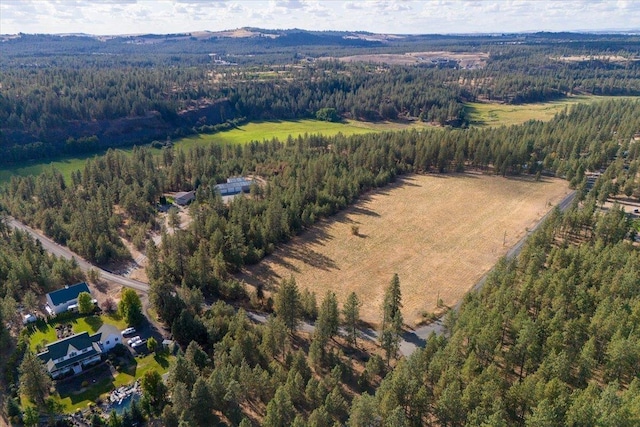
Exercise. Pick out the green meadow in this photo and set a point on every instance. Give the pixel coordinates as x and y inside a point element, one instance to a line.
<point>481,114</point>
<point>255,131</point>
<point>485,114</point>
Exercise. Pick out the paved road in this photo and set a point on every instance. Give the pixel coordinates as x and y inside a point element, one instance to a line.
<point>64,252</point>
<point>411,340</point>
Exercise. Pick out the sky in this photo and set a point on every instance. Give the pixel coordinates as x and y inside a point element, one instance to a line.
<point>110,17</point>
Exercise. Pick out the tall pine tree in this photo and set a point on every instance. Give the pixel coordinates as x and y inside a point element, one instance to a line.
<point>391,319</point>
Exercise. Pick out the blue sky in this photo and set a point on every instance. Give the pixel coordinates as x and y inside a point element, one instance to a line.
<point>389,16</point>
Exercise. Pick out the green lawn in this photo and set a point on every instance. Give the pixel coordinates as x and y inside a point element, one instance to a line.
<point>485,114</point>
<point>44,333</point>
<point>80,399</point>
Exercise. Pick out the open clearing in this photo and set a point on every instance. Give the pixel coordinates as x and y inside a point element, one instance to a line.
<point>606,58</point>
<point>259,131</point>
<point>440,233</point>
<point>468,60</point>
<point>255,131</point>
<point>488,114</point>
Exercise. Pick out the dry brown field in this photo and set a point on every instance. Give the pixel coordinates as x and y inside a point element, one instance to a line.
<point>608,58</point>
<point>440,233</point>
<point>464,59</point>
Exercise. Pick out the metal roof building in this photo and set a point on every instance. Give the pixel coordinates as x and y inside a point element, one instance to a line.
<point>234,185</point>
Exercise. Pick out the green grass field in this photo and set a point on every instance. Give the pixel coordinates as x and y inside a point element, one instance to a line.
<point>66,166</point>
<point>482,115</point>
<point>492,114</point>
<point>260,131</point>
<point>257,131</point>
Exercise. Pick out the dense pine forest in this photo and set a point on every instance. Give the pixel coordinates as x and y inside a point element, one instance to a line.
<point>552,338</point>
<point>121,92</point>
<point>550,351</point>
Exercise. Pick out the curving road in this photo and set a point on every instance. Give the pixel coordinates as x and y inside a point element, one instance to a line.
<point>411,340</point>
<point>64,252</point>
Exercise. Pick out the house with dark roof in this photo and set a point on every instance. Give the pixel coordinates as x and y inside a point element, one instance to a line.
<point>184,198</point>
<point>69,356</point>
<point>61,300</point>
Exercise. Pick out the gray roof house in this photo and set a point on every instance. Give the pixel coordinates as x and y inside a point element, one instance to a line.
<point>184,197</point>
<point>60,300</point>
<point>72,354</point>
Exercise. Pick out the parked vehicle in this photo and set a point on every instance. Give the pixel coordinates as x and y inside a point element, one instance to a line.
<point>138,343</point>
<point>134,340</point>
<point>129,331</point>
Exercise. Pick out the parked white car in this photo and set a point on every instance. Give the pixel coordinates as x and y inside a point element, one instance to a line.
<point>134,340</point>
<point>138,343</point>
<point>129,331</point>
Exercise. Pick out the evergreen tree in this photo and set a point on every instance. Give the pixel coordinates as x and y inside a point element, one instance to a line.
<point>280,410</point>
<point>287,303</point>
<point>35,381</point>
<point>364,412</point>
<point>392,319</point>
<point>351,316</point>
<point>201,404</point>
<point>31,416</point>
<point>328,318</point>
<point>154,392</point>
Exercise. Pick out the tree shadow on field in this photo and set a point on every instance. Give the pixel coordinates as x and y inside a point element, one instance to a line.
<point>278,259</point>
<point>316,234</point>
<point>94,322</point>
<point>312,258</point>
<point>407,181</point>
<point>361,210</point>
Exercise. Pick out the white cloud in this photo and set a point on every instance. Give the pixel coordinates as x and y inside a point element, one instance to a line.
<point>384,16</point>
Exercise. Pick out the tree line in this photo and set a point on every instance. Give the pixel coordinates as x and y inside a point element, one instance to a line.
<point>308,178</point>
<point>550,339</point>
<point>64,104</point>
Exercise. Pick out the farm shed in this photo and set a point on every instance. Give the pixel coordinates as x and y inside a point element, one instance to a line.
<point>185,197</point>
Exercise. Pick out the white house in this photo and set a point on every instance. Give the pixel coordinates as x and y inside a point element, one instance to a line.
<point>59,301</point>
<point>72,354</point>
<point>108,337</point>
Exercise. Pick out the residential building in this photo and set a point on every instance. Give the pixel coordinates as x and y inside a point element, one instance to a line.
<point>64,299</point>
<point>71,355</point>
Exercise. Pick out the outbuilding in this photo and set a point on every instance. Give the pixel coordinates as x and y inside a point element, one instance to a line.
<point>184,197</point>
